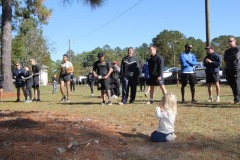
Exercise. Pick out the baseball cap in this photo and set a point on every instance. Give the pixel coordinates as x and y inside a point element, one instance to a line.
<point>209,47</point>
<point>114,62</point>
<point>100,54</point>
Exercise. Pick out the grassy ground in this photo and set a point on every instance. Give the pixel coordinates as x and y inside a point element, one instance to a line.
<point>204,130</point>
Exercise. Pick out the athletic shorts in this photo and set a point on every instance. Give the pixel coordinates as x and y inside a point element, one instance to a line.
<point>188,77</point>
<point>152,81</point>
<point>35,84</point>
<point>105,84</point>
<point>212,77</point>
<point>19,84</point>
<point>65,78</point>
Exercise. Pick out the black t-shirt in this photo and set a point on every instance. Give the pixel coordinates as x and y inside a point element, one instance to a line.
<point>102,67</point>
<point>155,66</point>
<point>28,74</point>
<point>36,69</point>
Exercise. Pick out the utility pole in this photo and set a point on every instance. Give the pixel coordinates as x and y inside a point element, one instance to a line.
<point>207,23</point>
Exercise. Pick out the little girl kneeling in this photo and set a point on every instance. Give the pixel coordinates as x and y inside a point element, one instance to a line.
<point>166,112</point>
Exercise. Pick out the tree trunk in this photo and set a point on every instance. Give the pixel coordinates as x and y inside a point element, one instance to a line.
<point>7,44</point>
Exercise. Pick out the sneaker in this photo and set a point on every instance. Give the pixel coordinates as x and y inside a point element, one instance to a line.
<point>210,99</point>
<point>131,102</point>
<point>34,100</point>
<point>170,137</point>
<point>121,103</point>
<point>38,100</point>
<point>28,101</point>
<point>67,100</point>
<point>194,101</point>
<point>183,101</point>
<point>103,103</point>
<point>217,99</point>
<point>18,100</point>
<point>236,102</point>
<point>109,103</point>
<point>145,94</point>
<point>92,94</point>
<point>149,102</point>
<point>113,96</point>
<point>63,99</point>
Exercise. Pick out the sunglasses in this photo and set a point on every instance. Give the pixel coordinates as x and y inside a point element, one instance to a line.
<point>230,41</point>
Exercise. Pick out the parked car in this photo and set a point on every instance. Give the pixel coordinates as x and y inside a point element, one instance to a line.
<point>200,71</point>
<point>82,80</point>
<point>171,75</point>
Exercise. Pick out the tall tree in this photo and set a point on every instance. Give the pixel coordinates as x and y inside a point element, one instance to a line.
<point>7,44</point>
<point>30,7</point>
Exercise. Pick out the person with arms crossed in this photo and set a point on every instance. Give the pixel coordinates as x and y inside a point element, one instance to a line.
<point>102,69</point>
<point>155,68</point>
<point>129,74</point>
<point>212,63</point>
<point>166,113</point>
<point>232,68</point>
<point>65,77</point>
<point>188,62</point>
<point>36,80</point>
<point>19,83</point>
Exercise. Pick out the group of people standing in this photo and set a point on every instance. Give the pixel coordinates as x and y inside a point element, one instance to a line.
<point>26,79</point>
<point>130,72</point>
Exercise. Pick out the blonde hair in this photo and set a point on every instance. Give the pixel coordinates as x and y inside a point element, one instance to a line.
<point>169,102</point>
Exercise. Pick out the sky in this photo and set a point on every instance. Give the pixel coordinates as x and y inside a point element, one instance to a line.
<point>130,23</point>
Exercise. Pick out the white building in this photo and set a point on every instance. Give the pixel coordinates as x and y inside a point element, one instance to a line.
<point>44,75</point>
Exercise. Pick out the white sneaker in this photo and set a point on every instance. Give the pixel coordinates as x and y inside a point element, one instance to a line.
<point>171,137</point>
<point>92,94</point>
<point>217,99</point>
<point>210,99</point>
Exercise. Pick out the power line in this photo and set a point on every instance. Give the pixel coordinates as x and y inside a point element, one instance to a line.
<point>115,18</point>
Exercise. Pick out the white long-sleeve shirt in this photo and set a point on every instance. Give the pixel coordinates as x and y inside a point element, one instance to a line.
<point>166,122</point>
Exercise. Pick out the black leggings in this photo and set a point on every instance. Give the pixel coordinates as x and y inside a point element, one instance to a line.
<point>28,91</point>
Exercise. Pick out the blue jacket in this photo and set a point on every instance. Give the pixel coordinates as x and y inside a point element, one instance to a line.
<point>214,66</point>
<point>145,70</point>
<point>188,62</point>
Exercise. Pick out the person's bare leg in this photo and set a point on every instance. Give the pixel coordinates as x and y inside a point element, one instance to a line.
<point>68,89</point>
<point>163,88</point>
<point>62,87</point>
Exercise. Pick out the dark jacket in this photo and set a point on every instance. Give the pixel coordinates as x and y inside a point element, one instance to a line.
<point>130,67</point>
<point>214,66</point>
<point>232,59</point>
<point>156,65</point>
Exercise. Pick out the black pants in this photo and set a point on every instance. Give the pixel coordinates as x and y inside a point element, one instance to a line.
<point>233,79</point>
<point>28,90</point>
<point>72,86</point>
<point>126,84</point>
<point>91,84</point>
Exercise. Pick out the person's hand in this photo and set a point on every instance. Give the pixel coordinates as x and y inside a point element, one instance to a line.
<point>159,79</point>
<point>208,60</point>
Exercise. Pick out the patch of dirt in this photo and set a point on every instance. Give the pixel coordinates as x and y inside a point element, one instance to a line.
<point>43,135</point>
<point>9,94</point>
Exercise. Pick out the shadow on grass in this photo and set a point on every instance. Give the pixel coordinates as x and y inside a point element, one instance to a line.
<point>185,146</point>
<point>22,138</point>
<point>210,105</point>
